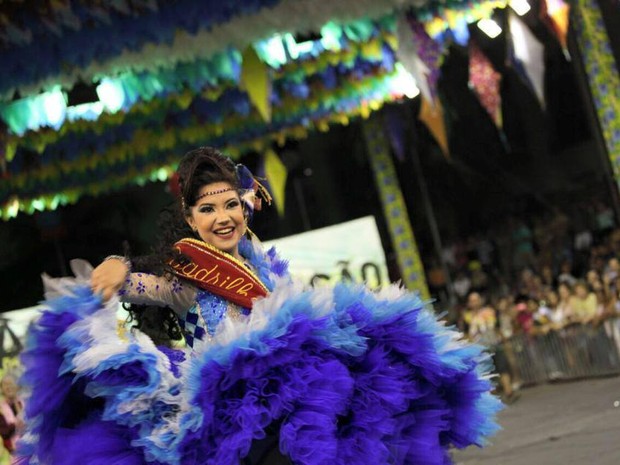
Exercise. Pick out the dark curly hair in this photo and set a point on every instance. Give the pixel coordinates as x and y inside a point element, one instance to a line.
<point>196,169</point>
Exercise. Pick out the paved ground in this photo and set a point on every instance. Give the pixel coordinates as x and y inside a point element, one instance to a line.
<point>564,424</point>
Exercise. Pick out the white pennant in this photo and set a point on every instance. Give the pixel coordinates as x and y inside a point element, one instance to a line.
<point>530,52</point>
<point>407,54</point>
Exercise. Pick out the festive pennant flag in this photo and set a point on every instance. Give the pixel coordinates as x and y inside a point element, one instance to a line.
<point>255,80</point>
<point>484,81</point>
<point>276,174</point>
<point>555,13</point>
<point>528,55</point>
<point>419,54</point>
<point>395,129</point>
<point>431,114</point>
<point>430,53</point>
<point>408,56</point>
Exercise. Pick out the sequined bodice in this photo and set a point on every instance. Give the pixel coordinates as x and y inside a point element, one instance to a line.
<point>200,312</point>
<point>203,318</point>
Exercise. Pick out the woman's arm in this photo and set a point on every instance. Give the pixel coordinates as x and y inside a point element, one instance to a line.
<point>113,276</point>
<point>108,278</point>
<point>148,289</point>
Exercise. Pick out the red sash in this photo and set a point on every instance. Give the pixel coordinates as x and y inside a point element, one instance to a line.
<point>218,272</point>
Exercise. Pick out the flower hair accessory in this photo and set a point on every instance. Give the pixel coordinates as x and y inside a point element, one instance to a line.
<point>250,189</point>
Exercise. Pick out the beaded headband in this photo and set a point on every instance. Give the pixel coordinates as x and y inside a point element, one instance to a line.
<point>249,190</point>
<point>219,191</point>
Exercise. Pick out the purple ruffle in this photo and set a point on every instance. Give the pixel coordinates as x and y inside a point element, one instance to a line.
<point>371,381</point>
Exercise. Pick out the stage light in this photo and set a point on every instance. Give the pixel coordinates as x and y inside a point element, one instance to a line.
<point>489,27</point>
<point>520,6</point>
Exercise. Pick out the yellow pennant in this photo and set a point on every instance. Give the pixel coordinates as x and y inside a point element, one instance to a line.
<point>276,174</point>
<point>255,80</point>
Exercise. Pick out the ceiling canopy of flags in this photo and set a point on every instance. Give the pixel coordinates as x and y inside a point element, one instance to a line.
<point>99,95</point>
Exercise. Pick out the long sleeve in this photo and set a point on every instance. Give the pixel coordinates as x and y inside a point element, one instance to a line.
<point>148,289</point>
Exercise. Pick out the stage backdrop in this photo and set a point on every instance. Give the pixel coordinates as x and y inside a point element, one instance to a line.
<point>349,251</point>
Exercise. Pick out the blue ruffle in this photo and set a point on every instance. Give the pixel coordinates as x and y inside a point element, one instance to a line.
<point>343,375</point>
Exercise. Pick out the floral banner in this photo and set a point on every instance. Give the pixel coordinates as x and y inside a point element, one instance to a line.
<point>394,208</point>
<point>602,72</point>
<point>485,82</point>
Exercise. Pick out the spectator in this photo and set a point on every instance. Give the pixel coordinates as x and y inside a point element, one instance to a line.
<point>530,284</point>
<point>523,246</point>
<point>479,279</point>
<point>483,328</point>
<point>539,317</point>
<point>605,220</point>
<point>566,274</point>
<point>554,312</point>
<point>593,280</point>
<point>462,285</point>
<point>504,311</point>
<point>11,410</point>
<point>486,251</point>
<point>612,271</point>
<point>583,303</point>
<point>546,275</point>
<point>565,302</point>
<point>524,320</point>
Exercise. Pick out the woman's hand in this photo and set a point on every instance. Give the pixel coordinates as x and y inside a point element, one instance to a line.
<point>109,277</point>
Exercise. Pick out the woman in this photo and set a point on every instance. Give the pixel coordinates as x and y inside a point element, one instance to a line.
<point>337,375</point>
<point>564,306</point>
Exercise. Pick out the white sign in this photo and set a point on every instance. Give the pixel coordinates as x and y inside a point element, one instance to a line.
<point>347,251</point>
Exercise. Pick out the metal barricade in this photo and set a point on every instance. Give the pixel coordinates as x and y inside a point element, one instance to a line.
<point>576,351</point>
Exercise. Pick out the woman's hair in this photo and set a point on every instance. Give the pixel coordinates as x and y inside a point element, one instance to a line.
<point>200,167</point>
<point>197,169</point>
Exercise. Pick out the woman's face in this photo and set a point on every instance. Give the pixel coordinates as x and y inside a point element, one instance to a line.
<point>592,276</point>
<point>564,292</point>
<point>8,388</point>
<point>581,291</point>
<point>218,218</point>
<point>552,298</point>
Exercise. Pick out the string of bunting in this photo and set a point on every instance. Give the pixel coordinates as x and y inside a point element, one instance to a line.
<point>204,77</point>
<point>75,140</point>
<point>151,156</point>
<point>111,38</point>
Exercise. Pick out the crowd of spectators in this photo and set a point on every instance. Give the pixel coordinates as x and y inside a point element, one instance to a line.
<point>534,276</point>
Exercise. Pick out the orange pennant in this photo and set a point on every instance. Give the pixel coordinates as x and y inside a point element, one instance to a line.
<point>556,14</point>
<point>431,114</point>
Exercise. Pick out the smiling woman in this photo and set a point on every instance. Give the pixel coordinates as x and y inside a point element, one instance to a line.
<point>273,372</point>
<point>218,217</point>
